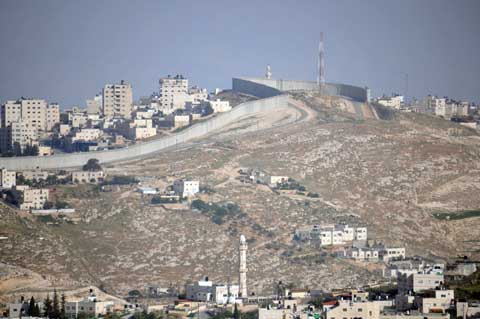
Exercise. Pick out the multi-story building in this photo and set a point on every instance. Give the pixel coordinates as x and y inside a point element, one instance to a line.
<point>349,309</point>
<point>219,106</point>
<point>330,234</point>
<point>186,188</point>
<point>117,100</point>
<point>137,129</point>
<point>88,176</point>
<point>389,253</point>
<point>33,198</point>
<point>395,101</point>
<point>8,179</point>
<point>181,120</point>
<point>33,112</point>
<point>206,291</point>
<point>78,119</point>
<point>420,281</point>
<point>34,175</point>
<point>17,136</point>
<point>173,94</point>
<point>86,135</point>
<point>197,94</point>
<point>439,304</point>
<point>95,105</point>
<point>90,307</point>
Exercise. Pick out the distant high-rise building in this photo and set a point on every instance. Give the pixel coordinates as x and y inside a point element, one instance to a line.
<point>33,112</point>
<point>117,100</point>
<point>173,93</point>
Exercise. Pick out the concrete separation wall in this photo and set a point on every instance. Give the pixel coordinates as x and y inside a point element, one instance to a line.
<point>60,161</point>
<point>262,87</point>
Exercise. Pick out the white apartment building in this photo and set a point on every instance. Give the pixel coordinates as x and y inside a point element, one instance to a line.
<point>219,106</point>
<point>8,179</point>
<point>95,105</point>
<point>389,253</point>
<point>418,282</point>
<point>186,188</point>
<point>206,291</point>
<point>88,176</point>
<point>78,120</point>
<point>137,129</point>
<point>34,198</point>
<point>440,303</point>
<point>117,100</point>
<point>197,94</point>
<point>86,135</point>
<point>33,112</point>
<point>349,309</point>
<point>394,102</point>
<point>173,94</point>
<point>89,306</point>
<point>330,234</point>
<point>35,175</point>
<point>363,254</point>
<point>181,120</point>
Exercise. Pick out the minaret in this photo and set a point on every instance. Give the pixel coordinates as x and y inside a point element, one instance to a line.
<point>243,267</point>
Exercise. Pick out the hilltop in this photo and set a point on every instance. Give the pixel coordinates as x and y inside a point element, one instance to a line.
<point>390,171</point>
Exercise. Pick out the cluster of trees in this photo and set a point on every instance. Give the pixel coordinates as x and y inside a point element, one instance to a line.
<point>121,180</point>
<point>13,197</point>
<point>49,181</point>
<point>30,150</point>
<point>160,200</point>
<point>58,205</point>
<point>52,308</point>
<point>218,211</point>
<point>236,314</point>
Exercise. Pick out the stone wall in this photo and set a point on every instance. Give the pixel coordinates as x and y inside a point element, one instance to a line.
<point>262,88</point>
<point>59,161</point>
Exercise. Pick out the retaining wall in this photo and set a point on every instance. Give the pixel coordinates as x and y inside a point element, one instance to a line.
<point>59,161</point>
<point>262,87</point>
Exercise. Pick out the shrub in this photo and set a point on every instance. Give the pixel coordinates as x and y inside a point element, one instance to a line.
<point>92,165</point>
<point>121,180</point>
<point>159,200</point>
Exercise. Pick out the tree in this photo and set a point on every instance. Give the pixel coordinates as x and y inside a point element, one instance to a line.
<point>17,149</point>
<point>56,306</point>
<point>31,307</point>
<point>48,205</point>
<point>92,165</point>
<point>62,307</point>
<point>37,311</point>
<point>236,312</point>
<point>47,307</point>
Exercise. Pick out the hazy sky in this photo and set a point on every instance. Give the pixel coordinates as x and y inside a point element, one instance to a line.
<point>65,51</point>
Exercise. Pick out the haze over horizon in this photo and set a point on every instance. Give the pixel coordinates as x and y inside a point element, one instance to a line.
<point>67,51</point>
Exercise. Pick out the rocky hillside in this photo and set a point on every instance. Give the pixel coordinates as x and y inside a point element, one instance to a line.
<point>395,176</point>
